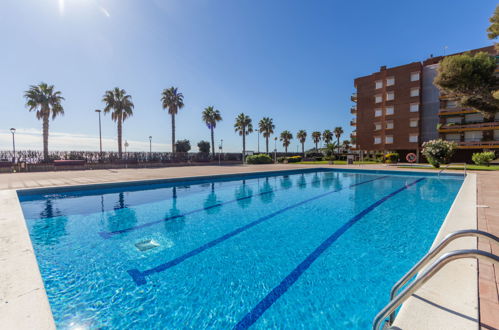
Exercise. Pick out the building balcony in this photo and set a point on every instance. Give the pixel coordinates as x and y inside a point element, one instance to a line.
<point>353,110</point>
<point>353,122</point>
<point>353,134</point>
<point>447,128</point>
<point>455,111</point>
<point>353,97</point>
<point>478,144</point>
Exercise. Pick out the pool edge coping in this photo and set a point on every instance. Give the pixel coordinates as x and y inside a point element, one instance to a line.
<point>461,304</point>
<point>35,307</point>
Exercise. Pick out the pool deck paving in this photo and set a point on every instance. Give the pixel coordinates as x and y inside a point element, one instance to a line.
<point>487,212</point>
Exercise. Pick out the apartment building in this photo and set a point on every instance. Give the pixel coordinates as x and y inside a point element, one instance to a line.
<point>399,108</point>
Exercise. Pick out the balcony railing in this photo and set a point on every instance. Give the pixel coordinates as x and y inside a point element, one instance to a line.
<point>353,122</point>
<point>469,127</point>
<point>478,144</point>
<point>354,133</point>
<point>455,111</point>
<point>353,110</point>
<point>353,97</point>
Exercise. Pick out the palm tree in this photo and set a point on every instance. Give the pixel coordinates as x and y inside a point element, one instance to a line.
<point>302,136</point>
<point>337,133</point>
<point>266,126</point>
<point>120,104</point>
<point>43,99</point>
<point>316,136</point>
<point>211,116</point>
<point>243,126</point>
<point>346,145</point>
<point>286,138</point>
<point>327,136</point>
<point>172,100</point>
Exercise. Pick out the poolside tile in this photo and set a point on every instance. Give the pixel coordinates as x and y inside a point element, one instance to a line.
<point>488,290</point>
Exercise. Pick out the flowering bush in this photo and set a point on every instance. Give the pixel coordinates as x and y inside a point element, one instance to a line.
<point>392,157</point>
<point>438,151</point>
<point>483,158</point>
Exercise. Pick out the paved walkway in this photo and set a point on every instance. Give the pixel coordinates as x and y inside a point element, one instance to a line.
<point>488,194</point>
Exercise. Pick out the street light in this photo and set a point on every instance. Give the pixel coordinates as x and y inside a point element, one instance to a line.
<point>258,131</point>
<point>100,133</point>
<point>150,145</point>
<point>13,131</point>
<point>220,151</point>
<point>275,150</point>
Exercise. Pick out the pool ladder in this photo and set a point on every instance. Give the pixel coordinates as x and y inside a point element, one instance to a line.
<point>432,269</point>
<point>447,166</point>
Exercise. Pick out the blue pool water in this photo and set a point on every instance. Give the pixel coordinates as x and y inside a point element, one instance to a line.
<point>310,249</point>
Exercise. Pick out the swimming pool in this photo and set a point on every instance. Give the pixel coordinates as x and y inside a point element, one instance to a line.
<point>301,249</point>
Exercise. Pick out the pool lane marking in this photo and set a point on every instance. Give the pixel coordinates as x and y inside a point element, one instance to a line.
<point>251,317</point>
<point>140,276</point>
<point>109,234</point>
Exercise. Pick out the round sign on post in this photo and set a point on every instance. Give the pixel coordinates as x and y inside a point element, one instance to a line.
<point>411,157</point>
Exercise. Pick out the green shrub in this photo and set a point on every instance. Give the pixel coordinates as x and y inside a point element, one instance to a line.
<point>439,151</point>
<point>294,159</point>
<point>259,159</point>
<point>204,146</point>
<point>182,146</point>
<point>483,158</point>
<point>392,157</point>
<point>281,159</point>
<point>318,159</point>
<point>313,154</point>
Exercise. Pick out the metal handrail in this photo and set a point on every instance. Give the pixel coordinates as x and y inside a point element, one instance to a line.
<point>447,166</point>
<point>426,275</point>
<point>433,252</point>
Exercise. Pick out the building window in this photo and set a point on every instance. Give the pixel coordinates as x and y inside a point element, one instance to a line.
<point>473,118</point>
<point>414,107</point>
<point>379,84</point>
<point>377,139</point>
<point>453,137</point>
<point>389,125</point>
<point>473,136</point>
<point>413,138</point>
<point>496,135</point>
<point>451,104</point>
<point>389,139</point>
<point>496,117</point>
<point>378,112</point>
<point>377,126</point>
<point>378,98</point>
<point>413,123</point>
<point>414,76</point>
<point>453,120</point>
<point>390,96</point>
<point>389,111</point>
<point>390,81</point>
<point>415,91</point>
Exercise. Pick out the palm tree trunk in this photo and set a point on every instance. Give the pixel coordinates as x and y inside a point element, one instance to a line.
<point>212,142</point>
<point>286,150</point>
<point>120,135</point>
<point>267,144</point>
<point>338,142</point>
<point>173,133</point>
<point>46,137</point>
<point>316,147</point>
<point>303,149</point>
<point>244,146</point>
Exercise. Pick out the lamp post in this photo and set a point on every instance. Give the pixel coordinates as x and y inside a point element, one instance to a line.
<point>13,131</point>
<point>275,150</point>
<point>150,145</point>
<point>220,151</point>
<point>100,134</point>
<point>258,131</point>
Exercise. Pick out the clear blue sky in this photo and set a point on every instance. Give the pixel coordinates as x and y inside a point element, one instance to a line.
<point>292,60</point>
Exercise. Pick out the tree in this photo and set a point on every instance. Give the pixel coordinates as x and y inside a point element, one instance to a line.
<point>172,100</point>
<point>337,133</point>
<point>493,29</point>
<point>266,127</point>
<point>204,146</point>
<point>120,104</point>
<point>438,151</point>
<point>211,116</point>
<point>183,146</point>
<point>43,99</point>
<point>302,137</point>
<point>286,138</point>
<point>471,79</point>
<point>327,136</point>
<point>243,126</point>
<point>346,145</point>
<point>316,136</point>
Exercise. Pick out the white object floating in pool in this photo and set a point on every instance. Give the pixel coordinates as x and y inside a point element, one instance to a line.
<point>146,245</point>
